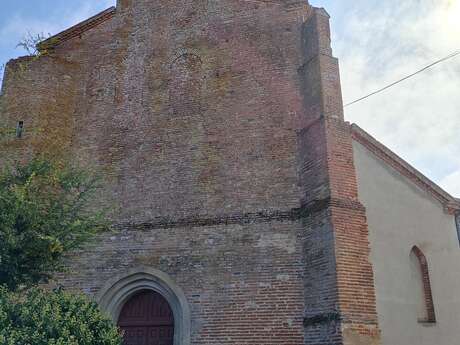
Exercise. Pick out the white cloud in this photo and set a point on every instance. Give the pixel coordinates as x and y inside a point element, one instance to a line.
<point>379,42</point>
<point>20,24</point>
<point>451,184</point>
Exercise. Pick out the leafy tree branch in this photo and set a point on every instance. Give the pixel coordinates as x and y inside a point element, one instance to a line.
<point>44,214</point>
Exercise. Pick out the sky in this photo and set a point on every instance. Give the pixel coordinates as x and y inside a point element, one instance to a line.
<point>377,42</point>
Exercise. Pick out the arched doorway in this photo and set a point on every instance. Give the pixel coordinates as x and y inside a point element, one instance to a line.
<point>147,319</point>
<point>119,290</point>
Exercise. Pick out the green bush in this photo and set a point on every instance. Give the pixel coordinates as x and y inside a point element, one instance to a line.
<point>39,317</point>
<point>44,213</point>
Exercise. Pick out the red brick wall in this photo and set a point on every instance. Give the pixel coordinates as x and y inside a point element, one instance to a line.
<point>219,130</point>
<point>340,305</point>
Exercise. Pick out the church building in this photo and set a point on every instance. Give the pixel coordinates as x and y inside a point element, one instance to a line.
<point>246,210</point>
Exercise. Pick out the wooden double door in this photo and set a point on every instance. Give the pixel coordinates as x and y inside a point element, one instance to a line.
<point>147,319</point>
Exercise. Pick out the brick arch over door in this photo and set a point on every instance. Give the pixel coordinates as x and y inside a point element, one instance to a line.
<point>420,260</point>
<point>119,290</point>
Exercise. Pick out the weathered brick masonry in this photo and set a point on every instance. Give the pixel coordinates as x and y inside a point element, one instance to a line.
<point>218,126</point>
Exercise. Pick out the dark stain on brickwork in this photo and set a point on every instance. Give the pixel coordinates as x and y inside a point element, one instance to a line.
<point>321,319</point>
<point>264,216</point>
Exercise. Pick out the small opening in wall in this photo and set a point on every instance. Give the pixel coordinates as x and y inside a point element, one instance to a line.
<point>19,129</point>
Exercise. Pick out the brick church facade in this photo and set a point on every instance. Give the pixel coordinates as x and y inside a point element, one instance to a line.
<point>245,209</point>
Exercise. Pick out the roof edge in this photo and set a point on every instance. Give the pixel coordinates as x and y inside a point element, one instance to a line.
<point>77,30</point>
<point>451,204</point>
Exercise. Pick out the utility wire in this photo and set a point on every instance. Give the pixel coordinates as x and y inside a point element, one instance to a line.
<point>450,56</point>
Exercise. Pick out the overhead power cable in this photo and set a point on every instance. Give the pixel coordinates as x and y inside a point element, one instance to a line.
<point>448,57</point>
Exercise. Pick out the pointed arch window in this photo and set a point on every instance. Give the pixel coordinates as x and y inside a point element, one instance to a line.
<point>457,223</point>
<point>421,279</point>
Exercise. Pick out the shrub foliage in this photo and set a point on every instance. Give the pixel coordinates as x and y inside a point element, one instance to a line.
<point>39,317</point>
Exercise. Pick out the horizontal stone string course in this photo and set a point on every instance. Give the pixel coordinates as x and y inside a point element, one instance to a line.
<point>243,218</point>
